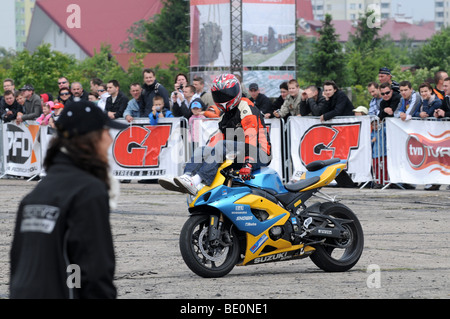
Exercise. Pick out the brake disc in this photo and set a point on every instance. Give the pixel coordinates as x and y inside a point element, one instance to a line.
<point>213,254</point>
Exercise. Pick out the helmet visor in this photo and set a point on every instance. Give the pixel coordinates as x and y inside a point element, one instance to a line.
<point>221,97</point>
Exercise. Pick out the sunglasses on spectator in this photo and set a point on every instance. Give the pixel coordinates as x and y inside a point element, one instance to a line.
<point>386,93</point>
<point>62,82</point>
<point>100,90</point>
<point>65,93</point>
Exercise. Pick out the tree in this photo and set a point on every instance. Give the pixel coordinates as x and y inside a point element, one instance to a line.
<point>327,61</point>
<point>435,53</point>
<point>365,52</point>
<point>41,68</point>
<point>167,31</point>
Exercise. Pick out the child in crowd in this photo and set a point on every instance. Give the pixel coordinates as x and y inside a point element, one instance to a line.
<point>158,110</point>
<point>46,113</point>
<point>430,101</point>
<point>197,113</point>
<point>379,161</point>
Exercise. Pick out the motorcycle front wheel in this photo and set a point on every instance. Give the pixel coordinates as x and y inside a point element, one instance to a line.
<point>340,255</point>
<point>208,259</point>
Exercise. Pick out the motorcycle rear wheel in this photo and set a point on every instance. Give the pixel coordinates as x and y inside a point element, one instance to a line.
<point>340,255</point>
<point>204,259</point>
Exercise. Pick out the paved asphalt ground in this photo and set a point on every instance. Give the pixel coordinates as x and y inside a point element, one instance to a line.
<point>406,253</point>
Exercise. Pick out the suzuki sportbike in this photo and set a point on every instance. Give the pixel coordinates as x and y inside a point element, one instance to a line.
<point>237,223</point>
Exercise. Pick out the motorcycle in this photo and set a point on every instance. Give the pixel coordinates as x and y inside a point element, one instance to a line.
<point>237,223</point>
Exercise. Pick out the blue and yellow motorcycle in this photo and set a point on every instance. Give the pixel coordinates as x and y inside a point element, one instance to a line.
<point>237,223</point>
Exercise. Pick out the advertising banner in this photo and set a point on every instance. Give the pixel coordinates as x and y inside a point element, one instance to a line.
<point>143,151</point>
<point>210,33</point>
<point>268,32</point>
<point>346,138</point>
<point>21,149</point>
<point>418,152</point>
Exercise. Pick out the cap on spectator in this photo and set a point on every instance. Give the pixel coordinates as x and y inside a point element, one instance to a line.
<point>27,87</point>
<point>361,109</point>
<point>44,97</point>
<point>57,105</point>
<point>253,86</point>
<point>384,71</point>
<point>79,118</point>
<point>196,105</point>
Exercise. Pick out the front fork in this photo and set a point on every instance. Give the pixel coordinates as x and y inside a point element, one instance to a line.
<point>215,228</point>
<point>217,236</point>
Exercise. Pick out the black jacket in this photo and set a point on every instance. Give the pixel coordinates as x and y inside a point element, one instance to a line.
<point>14,108</point>
<point>392,103</point>
<point>338,105</point>
<point>312,107</point>
<point>263,103</point>
<point>446,106</point>
<point>148,93</point>
<point>184,109</point>
<point>118,106</point>
<point>63,221</point>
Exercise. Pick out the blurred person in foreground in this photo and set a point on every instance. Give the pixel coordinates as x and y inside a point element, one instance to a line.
<point>62,246</point>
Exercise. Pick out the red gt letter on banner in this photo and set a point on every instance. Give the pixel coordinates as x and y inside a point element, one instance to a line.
<point>345,138</point>
<point>143,151</point>
<point>140,146</point>
<point>322,142</point>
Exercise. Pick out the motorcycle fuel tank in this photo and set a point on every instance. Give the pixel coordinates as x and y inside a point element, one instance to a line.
<point>267,178</point>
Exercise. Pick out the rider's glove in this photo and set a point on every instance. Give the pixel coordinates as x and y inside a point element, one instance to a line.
<point>246,171</point>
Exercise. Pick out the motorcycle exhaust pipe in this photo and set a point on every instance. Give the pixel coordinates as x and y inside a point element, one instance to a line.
<point>328,232</point>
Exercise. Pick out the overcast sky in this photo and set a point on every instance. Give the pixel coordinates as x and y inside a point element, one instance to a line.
<point>418,9</point>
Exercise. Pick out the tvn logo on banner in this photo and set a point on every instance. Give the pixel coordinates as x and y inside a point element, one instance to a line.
<point>21,149</point>
<point>418,152</point>
<point>345,138</point>
<point>143,151</point>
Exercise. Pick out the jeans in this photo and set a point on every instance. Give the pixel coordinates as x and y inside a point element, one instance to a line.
<point>206,160</point>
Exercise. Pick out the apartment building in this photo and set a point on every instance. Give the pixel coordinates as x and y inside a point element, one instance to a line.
<point>350,9</point>
<point>441,13</point>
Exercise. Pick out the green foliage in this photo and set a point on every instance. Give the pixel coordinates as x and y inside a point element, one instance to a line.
<point>167,31</point>
<point>435,53</point>
<point>327,61</point>
<point>415,76</point>
<point>40,68</point>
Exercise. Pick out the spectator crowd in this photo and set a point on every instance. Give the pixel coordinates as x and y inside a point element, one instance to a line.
<point>192,101</point>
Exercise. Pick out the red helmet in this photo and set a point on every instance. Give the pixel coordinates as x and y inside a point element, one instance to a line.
<point>226,92</point>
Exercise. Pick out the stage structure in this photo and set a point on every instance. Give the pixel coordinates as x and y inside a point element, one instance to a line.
<point>254,39</point>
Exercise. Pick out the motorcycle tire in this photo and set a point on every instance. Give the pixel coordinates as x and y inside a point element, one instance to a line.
<point>203,259</point>
<point>340,255</point>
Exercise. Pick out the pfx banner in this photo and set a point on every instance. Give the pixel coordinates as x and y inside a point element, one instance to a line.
<point>21,149</point>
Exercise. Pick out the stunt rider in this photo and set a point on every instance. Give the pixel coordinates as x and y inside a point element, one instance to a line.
<point>241,132</point>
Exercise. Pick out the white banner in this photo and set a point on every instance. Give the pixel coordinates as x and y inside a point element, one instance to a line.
<point>143,151</point>
<point>21,149</point>
<point>418,152</point>
<point>347,138</point>
<point>209,127</point>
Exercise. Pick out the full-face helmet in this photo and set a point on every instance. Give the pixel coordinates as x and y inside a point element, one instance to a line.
<point>226,92</point>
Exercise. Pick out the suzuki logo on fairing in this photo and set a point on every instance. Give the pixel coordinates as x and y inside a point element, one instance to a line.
<point>271,258</point>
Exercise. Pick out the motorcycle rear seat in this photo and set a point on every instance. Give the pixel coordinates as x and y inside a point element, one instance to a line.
<point>316,165</point>
<point>298,186</point>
